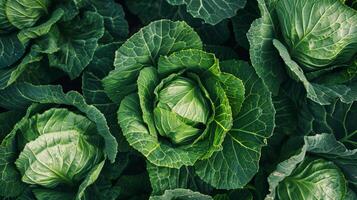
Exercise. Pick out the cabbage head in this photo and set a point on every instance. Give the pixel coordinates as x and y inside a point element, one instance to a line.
<point>309,42</point>
<point>57,149</point>
<point>181,107</point>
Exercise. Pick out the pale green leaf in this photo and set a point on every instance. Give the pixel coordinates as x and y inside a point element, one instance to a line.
<point>184,97</point>
<point>173,127</point>
<point>25,13</point>
<point>313,179</point>
<point>318,33</point>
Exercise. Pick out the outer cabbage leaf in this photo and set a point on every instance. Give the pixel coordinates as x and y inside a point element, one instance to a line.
<point>125,179</point>
<point>8,119</point>
<point>181,194</point>
<point>236,164</point>
<point>323,94</point>
<point>65,34</point>
<point>5,25</point>
<point>263,55</point>
<point>97,69</point>
<point>242,22</point>
<point>11,50</point>
<point>11,75</point>
<point>114,19</point>
<point>222,52</point>
<point>350,195</point>
<point>135,186</point>
<point>354,4</point>
<point>212,12</point>
<point>337,118</point>
<point>147,81</point>
<point>242,194</point>
<point>163,178</point>
<point>144,49</point>
<point>94,93</point>
<point>77,41</point>
<point>33,32</point>
<point>151,10</point>
<point>286,117</point>
<point>11,186</point>
<point>42,194</point>
<point>91,177</point>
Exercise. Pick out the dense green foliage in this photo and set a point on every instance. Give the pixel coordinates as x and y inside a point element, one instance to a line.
<point>178,99</point>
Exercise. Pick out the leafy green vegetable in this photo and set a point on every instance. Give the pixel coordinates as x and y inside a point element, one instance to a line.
<point>180,107</point>
<point>316,41</point>
<point>54,34</point>
<point>314,177</point>
<point>178,99</point>
<point>51,149</point>
<point>151,10</point>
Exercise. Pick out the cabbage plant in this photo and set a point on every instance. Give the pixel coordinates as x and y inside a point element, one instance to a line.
<point>57,149</point>
<point>310,42</point>
<point>42,40</point>
<point>178,99</point>
<point>180,106</point>
<point>320,168</point>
